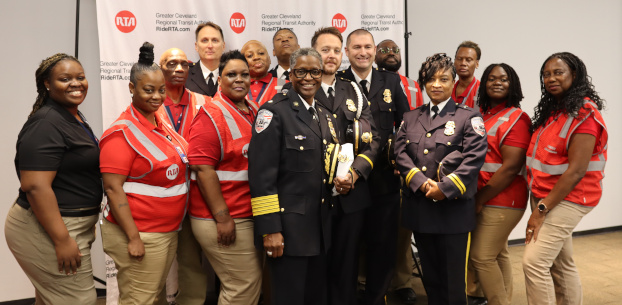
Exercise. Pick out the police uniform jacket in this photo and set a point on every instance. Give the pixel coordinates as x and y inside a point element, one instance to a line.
<point>288,182</point>
<point>420,145</point>
<point>388,103</point>
<point>196,82</point>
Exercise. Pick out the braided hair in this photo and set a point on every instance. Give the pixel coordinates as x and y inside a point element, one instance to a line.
<point>145,63</point>
<point>515,93</point>
<point>433,64</point>
<point>573,98</point>
<point>43,74</point>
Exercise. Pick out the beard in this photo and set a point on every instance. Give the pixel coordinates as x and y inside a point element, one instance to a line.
<point>330,70</point>
<point>390,67</point>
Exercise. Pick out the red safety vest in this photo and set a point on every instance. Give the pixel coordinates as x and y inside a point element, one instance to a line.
<point>234,132</point>
<point>547,157</point>
<point>194,104</point>
<point>158,197</point>
<point>469,98</point>
<point>497,127</point>
<point>411,88</point>
<point>268,91</point>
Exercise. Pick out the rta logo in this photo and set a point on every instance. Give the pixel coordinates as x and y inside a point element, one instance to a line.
<point>237,22</point>
<point>125,21</point>
<point>340,22</point>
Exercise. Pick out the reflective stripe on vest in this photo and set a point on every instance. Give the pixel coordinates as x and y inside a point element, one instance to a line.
<point>501,120</point>
<point>226,175</point>
<point>143,139</point>
<point>233,126</point>
<point>412,87</point>
<point>155,191</point>
<point>279,85</point>
<point>559,169</point>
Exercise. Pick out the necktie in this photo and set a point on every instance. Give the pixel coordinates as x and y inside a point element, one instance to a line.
<point>211,86</point>
<point>286,74</point>
<point>434,111</point>
<point>331,96</point>
<point>313,114</point>
<point>364,85</point>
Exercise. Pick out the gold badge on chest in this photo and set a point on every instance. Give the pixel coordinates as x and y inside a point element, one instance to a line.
<point>387,95</point>
<point>450,127</point>
<point>350,104</point>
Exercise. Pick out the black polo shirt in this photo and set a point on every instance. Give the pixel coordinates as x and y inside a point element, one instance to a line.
<point>53,140</point>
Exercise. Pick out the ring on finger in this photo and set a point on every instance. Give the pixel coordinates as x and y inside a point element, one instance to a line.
<point>530,231</point>
<point>269,252</point>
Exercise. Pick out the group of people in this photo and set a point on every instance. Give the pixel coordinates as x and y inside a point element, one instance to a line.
<point>228,159</point>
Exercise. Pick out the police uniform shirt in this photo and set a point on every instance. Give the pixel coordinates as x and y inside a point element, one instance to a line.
<point>368,79</point>
<point>440,106</point>
<point>326,87</point>
<point>206,72</point>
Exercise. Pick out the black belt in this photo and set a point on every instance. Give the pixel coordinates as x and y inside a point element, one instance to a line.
<point>81,212</point>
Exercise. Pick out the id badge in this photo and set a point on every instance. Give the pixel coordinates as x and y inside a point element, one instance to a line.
<point>182,155</point>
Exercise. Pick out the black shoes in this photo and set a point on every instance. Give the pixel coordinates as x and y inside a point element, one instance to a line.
<point>477,300</point>
<point>406,295</point>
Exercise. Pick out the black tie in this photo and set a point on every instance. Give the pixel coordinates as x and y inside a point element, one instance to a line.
<point>286,74</point>
<point>313,113</point>
<point>211,86</point>
<point>364,85</point>
<point>331,96</point>
<point>434,111</point>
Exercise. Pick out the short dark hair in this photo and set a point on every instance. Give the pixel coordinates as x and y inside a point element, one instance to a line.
<point>304,52</point>
<point>284,29</point>
<point>471,45</point>
<point>326,30</point>
<point>229,56</point>
<point>210,24</point>
<point>433,64</point>
<point>515,93</point>
<point>145,62</point>
<point>358,32</point>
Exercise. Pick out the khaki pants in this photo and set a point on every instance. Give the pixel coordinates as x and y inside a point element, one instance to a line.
<point>34,251</point>
<point>404,263</point>
<point>551,277</point>
<point>238,266</point>
<point>140,282</point>
<point>191,277</point>
<point>490,260</point>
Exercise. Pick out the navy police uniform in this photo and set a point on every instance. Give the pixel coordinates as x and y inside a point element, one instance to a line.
<point>388,103</point>
<point>290,194</point>
<point>442,229</point>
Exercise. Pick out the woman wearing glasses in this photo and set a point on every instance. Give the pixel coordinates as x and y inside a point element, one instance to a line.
<point>289,186</point>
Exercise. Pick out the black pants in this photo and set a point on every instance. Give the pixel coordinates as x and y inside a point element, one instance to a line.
<point>444,259</point>
<point>380,240</point>
<point>299,280</point>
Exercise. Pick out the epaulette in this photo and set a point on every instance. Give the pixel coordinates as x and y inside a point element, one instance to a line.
<point>464,107</point>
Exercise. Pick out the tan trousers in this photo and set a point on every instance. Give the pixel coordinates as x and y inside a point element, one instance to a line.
<point>140,282</point>
<point>551,276</point>
<point>489,261</point>
<point>192,278</point>
<point>403,277</point>
<point>34,251</point>
<point>238,266</point>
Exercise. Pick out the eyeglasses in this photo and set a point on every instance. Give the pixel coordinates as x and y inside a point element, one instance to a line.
<point>174,64</point>
<point>302,73</point>
<point>395,50</point>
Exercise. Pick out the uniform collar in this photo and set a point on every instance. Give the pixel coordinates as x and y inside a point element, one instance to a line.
<point>185,99</point>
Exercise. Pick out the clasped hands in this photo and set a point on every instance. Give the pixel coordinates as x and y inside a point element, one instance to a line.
<point>431,190</point>
<point>343,185</point>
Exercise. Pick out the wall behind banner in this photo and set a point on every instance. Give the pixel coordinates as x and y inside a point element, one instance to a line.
<point>522,34</point>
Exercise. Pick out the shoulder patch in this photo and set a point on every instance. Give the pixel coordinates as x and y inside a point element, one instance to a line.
<point>478,125</point>
<point>264,117</point>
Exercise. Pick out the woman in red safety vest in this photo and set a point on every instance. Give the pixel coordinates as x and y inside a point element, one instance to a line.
<point>263,85</point>
<point>565,165</point>
<point>501,189</point>
<point>220,200</point>
<point>144,169</point>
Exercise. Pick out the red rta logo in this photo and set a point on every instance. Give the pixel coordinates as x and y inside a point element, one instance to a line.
<point>125,21</point>
<point>237,22</point>
<point>340,22</point>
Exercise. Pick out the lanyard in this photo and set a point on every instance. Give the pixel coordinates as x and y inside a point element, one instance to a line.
<point>88,130</point>
<point>263,88</point>
<point>176,123</point>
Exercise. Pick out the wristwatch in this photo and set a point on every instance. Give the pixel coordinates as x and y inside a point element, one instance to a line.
<point>542,207</point>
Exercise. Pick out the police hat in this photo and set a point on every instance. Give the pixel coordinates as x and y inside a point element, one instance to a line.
<point>359,134</point>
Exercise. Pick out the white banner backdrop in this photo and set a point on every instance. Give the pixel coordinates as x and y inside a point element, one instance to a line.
<point>124,25</point>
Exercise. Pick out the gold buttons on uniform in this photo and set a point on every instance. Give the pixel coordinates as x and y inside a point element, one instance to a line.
<point>428,135</point>
<point>302,148</point>
<point>425,151</point>
<point>282,209</point>
<point>322,200</point>
<point>324,141</point>
<point>323,181</point>
<point>423,169</point>
<point>407,141</point>
<point>449,143</point>
<point>335,116</point>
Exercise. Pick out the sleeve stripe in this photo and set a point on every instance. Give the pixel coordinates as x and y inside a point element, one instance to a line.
<point>368,160</point>
<point>265,205</point>
<point>411,174</point>
<point>457,182</point>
